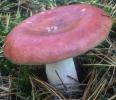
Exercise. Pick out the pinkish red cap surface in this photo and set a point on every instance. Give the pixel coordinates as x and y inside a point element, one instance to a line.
<point>57,34</point>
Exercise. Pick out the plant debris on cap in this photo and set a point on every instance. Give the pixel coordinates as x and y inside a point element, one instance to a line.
<point>57,34</point>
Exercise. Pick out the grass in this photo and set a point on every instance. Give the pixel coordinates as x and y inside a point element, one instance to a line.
<point>25,83</point>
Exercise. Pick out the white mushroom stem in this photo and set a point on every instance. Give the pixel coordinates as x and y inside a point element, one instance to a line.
<point>57,73</point>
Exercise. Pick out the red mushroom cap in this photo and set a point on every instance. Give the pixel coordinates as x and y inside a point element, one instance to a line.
<point>57,34</point>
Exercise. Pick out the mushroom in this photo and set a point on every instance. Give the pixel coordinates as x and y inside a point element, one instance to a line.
<point>54,37</point>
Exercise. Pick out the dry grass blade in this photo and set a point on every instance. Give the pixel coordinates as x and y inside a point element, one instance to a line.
<point>97,87</point>
<point>106,59</point>
<point>5,86</point>
<point>49,88</point>
<point>111,82</point>
<point>8,20</point>
<point>112,98</point>
<point>100,65</point>
<point>89,84</point>
<point>98,90</point>
<point>33,94</point>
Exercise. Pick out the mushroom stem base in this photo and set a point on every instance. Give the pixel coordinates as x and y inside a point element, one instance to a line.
<point>62,73</point>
